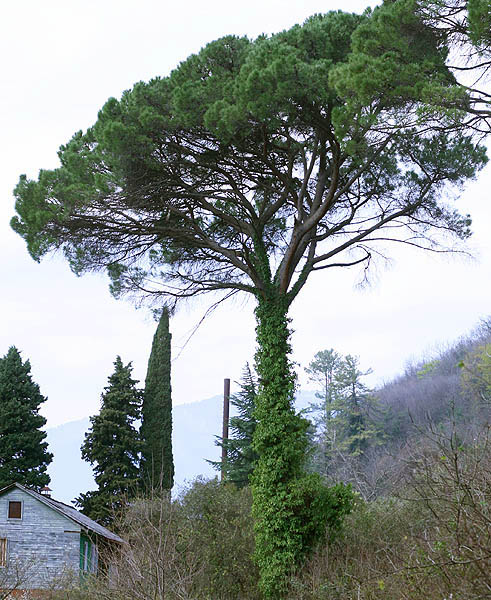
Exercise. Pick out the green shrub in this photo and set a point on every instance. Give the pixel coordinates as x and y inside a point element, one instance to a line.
<point>216,521</point>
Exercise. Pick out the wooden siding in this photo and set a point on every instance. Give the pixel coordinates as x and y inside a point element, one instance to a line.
<point>42,547</point>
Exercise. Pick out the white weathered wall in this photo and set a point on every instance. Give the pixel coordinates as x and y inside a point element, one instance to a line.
<point>42,547</point>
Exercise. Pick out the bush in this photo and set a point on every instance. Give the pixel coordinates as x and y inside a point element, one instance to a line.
<point>433,541</point>
<point>197,546</point>
<point>218,525</point>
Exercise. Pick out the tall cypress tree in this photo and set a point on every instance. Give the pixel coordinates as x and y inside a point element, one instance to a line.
<point>112,446</point>
<point>24,455</point>
<point>156,429</point>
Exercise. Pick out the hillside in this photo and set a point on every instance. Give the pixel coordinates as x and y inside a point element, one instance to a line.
<point>443,395</point>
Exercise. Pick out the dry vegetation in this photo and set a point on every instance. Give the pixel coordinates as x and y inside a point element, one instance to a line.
<point>420,528</point>
<point>430,539</point>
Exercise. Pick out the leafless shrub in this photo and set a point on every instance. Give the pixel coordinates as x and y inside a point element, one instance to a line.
<point>431,541</point>
<point>198,546</point>
<point>15,576</point>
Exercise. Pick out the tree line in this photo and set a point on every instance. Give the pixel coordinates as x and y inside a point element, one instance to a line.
<point>359,435</point>
<point>129,442</point>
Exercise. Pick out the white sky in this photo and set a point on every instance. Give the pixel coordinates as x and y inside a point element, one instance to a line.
<point>60,62</point>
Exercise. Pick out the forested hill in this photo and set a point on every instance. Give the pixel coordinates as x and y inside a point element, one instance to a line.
<point>447,393</point>
<point>452,386</point>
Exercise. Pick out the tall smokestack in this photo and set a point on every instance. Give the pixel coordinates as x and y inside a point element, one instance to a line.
<point>226,408</point>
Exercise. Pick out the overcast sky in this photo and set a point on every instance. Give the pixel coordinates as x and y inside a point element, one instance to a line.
<point>60,62</point>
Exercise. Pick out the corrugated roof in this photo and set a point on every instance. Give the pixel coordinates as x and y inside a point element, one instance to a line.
<point>68,511</point>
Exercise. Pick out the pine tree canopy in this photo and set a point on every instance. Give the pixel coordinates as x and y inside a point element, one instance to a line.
<point>112,446</point>
<point>315,143</point>
<point>24,455</point>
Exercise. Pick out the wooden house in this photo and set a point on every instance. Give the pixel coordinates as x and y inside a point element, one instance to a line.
<point>44,542</point>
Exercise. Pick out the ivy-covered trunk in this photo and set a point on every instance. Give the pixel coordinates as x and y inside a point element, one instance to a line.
<point>280,442</point>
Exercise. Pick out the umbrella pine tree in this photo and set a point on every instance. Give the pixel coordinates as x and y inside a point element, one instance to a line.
<point>253,166</point>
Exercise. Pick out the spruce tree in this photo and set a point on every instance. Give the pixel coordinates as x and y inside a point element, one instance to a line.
<point>353,425</point>
<point>156,429</point>
<point>323,370</point>
<point>112,446</point>
<point>24,455</point>
<point>241,456</point>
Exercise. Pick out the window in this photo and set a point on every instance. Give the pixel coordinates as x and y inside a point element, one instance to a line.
<point>3,552</point>
<point>15,510</point>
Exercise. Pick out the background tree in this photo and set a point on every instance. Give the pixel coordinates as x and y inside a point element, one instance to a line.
<point>112,446</point>
<point>253,165</point>
<point>156,428</point>
<point>476,374</point>
<point>322,371</point>
<point>24,455</point>
<point>241,456</point>
<point>353,407</point>
<point>344,420</point>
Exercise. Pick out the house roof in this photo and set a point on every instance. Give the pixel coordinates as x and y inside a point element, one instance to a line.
<point>67,511</point>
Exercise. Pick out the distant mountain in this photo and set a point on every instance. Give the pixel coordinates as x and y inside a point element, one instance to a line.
<point>69,474</point>
<point>195,426</point>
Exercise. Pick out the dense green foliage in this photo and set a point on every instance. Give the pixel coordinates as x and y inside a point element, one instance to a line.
<point>283,498</point>
<point>241,456</point>
<point>291,508</point>
<point>112,446</point>
<point>479,22</point>
<point>254,164</point>
<point>24,455</point>
<point>156,429</point>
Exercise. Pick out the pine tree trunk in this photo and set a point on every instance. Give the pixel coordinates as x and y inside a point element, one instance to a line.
<point>280,442</point>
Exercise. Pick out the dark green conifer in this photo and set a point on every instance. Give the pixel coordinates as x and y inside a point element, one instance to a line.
<point>241,456</point>
<point>354,403</point>
<point>24,455</point>
<point>112,446</point>
<point>156,429</point>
